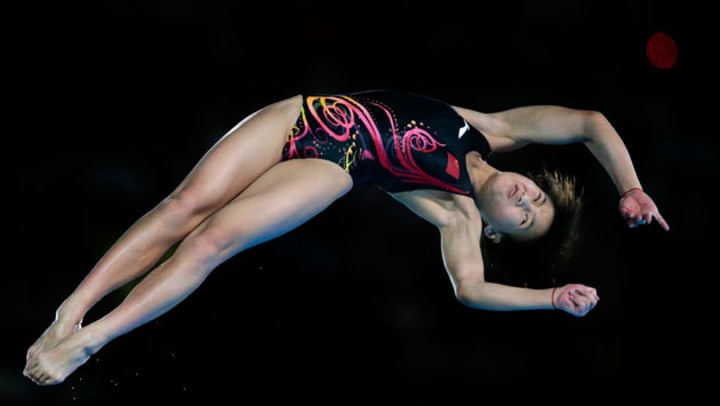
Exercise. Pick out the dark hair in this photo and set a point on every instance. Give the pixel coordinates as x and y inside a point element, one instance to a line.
<point>538,263</point>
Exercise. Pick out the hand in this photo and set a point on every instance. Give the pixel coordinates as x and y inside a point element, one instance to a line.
<point>637,208</point>
<point>575,299</point>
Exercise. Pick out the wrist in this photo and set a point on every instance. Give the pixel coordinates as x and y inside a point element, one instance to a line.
<point>627,192</point>
<point>552,298</point>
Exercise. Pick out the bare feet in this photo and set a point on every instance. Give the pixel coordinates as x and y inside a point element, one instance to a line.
<point>50,365</point>
<point>50,337</point>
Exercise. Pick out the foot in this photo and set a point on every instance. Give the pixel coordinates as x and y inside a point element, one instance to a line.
<point>52,365</point>
<point>50,337</point>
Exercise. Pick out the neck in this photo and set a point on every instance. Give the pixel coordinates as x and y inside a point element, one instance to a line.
<point>479,170</point>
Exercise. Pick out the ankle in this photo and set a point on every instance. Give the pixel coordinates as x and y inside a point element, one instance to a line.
<point>92,339</point>
<point>69,318</point>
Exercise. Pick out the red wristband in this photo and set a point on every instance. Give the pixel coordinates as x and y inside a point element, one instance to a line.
<point>552,298</point>
<point>629,190</point>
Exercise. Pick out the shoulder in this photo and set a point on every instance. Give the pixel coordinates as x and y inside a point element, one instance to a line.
<point>493,126</point>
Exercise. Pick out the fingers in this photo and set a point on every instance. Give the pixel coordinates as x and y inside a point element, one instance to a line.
<point>641,210</point>
<point>592,293</point>
<point>583,300</point>
<point>645,218</point>
<point>635,221</point>
<point>629,216</point>
<point>634,218</point>
<point>586,295</point>
<point>662,222</point>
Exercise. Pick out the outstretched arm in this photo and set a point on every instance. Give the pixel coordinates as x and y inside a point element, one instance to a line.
<point>460,245</point>
<point>460,227</point>
<point>514,128</point>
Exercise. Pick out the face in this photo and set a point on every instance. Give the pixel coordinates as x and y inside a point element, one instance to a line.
<point>512,205</point>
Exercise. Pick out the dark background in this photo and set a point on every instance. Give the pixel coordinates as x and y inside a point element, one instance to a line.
<point>110,103</point>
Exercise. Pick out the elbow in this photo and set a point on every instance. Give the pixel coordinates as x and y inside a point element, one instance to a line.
<point>594,121</point>
<point>466,294</point>
<point>461,295</point>
<point>467,303</point>
<point>468,282</point>
<point>462,299</point>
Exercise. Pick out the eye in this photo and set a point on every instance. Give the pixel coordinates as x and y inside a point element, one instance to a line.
<point>524,220</point>
<point>539,196</point>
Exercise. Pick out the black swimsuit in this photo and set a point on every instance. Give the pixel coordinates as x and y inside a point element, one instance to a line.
<point>395,140</point>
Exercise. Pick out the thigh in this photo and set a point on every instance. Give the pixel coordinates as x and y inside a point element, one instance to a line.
<point>243,154</point>
<point>281,199</point>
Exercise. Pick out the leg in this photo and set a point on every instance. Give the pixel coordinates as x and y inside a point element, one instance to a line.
<point>281,199</point>
<point>243,154</point>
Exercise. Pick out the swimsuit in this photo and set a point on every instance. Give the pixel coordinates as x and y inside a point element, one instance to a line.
<point>395,140</point>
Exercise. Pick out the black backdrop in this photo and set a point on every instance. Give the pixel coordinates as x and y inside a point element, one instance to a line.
<point>110,104</point>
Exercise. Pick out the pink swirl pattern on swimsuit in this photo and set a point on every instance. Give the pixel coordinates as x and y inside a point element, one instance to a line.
<point>342,126</point>
<point>340,117</point>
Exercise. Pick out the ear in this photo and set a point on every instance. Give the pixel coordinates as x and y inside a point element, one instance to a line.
<point>492,234</point>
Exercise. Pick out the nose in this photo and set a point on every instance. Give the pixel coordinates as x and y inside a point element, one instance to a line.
<point>522,199</point>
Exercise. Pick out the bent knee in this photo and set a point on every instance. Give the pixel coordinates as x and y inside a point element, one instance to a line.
<point>183,210</point>
<point>211,244</point>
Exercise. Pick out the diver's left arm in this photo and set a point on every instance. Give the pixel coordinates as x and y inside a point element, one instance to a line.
<point>514,128</point>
